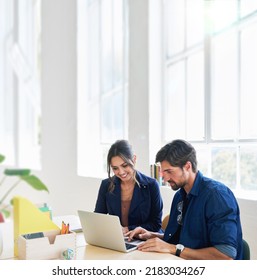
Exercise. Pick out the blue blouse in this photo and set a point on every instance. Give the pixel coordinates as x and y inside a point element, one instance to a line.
<point>146,204</point>
<point>212,218</point>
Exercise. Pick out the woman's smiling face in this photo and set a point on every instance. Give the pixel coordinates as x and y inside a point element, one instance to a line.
<point>122,169</point>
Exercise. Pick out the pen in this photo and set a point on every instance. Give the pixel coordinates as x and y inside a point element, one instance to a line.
<point>65,228</point>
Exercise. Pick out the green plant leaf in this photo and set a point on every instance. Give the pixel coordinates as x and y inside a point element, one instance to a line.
<point>34,182</point>
<point>2,158</point>
<point>6,213</point>
<point>17,172</point>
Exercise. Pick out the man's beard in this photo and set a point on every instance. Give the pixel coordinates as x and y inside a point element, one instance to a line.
<point>175,186</point>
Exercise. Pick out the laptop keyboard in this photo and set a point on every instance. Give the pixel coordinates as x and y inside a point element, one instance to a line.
<point>129,246</point>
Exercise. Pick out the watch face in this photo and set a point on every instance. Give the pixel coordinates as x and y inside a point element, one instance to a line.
<point>180,246</point>
<point>179,249</point>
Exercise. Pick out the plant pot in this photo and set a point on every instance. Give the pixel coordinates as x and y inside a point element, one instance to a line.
<point>1,242</point>
<point>1,217</point>
<point>1,235</point>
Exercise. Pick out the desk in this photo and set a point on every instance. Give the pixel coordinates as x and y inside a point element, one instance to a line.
<point>90,252</point>
<point>84,251</point>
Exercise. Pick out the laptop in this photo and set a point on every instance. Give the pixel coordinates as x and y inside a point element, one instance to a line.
<point>104,230</point>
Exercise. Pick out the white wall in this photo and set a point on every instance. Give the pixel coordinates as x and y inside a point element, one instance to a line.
<point>69,192</point>
<point>59,98</point>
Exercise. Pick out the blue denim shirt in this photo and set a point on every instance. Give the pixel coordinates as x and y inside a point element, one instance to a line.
<point>212,218</point>
<point>146,204</point>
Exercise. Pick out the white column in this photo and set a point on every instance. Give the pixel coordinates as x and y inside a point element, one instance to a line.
<point>138,131</point>
<point>59,95</point>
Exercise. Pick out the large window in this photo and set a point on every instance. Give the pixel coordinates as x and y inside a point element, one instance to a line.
<point>102,80</point>
<point>19,82</point>
<point>211,87</point>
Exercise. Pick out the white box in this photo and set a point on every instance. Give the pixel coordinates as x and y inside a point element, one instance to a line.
<point>51,246</point>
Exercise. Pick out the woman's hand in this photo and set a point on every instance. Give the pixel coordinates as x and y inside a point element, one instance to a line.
<point>139,233</point>
<point>125,230</point>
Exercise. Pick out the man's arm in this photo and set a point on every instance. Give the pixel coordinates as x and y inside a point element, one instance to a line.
<point>158,245</point>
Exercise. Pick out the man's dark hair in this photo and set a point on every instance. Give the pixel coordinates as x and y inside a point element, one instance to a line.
<point>177,153</point>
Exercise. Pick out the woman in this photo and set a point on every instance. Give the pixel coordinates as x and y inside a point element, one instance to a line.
<point>127,193</point>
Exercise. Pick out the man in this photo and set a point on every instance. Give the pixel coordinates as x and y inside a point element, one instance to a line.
<point>204,218</point>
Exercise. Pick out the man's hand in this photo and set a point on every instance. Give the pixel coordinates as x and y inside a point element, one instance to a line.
<point>157,245</point>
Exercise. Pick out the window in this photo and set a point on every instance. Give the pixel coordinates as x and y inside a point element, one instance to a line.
<point>210,86</point>
<point>102,80</point>
<point>19,82</point>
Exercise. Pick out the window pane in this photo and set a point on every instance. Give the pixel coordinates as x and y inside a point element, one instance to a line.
<point>203,156</point>
<point>225,82</point>
<point>248,169</point>
<point>222,13</point>
<point>195,97</point>
<point>175,24</point>
<point>106,44</point>
<point>194,18</point>
<point>224,166</point>
<point>20,83</point>
<point>175,105</point>
<point>92,43</point>
<point>105,52</point>
<point>112,121</point>
<point>248,121</point>
<point>118,53</point>
<point>224,87</point>
<point>247,7</point>
<point>7,145</point>
<point>27,53</point>
<point>118,116</point>
<point>29,131</point>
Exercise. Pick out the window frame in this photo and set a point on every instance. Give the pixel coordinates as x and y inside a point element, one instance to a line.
<point>208,142</point>
<point>22,50</point>
<point>95,103</point>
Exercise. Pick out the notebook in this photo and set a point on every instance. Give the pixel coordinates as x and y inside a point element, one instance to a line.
<point>105,231</point>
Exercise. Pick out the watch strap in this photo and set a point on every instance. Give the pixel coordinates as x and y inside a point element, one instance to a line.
<point>178,252</point>
<point>179,249</point>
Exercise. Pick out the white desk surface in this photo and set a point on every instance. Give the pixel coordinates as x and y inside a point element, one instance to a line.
<point>84,251</point>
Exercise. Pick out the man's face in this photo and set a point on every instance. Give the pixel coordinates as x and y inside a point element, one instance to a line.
<point>177,177</point>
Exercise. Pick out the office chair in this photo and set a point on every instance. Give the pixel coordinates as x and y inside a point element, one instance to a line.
<point>165,222</point>
<point>246,251</point>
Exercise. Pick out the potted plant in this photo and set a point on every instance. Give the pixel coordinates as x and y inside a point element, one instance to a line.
<point>22,175</point>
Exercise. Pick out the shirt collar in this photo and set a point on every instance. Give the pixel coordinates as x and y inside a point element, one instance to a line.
<point>196,186</point>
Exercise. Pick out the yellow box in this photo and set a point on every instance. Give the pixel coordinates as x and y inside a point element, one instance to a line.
<point>51,246</point>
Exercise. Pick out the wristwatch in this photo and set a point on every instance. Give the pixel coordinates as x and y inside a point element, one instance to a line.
<point>179,249</point>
